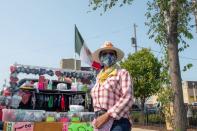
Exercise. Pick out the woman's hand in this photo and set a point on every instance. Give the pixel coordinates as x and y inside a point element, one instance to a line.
<point>101,120</point>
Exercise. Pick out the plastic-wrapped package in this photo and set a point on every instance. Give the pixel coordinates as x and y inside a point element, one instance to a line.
<point>76,108</point>
<point>2,100</point>
<point>8,100</point>
<point>63,117</point>
<point>17,115</point>
<point>87,116</point>
<point>34,116</point>
<point>8,115</point>
<point>15,101</point>
<point>51,116</point>
<point>63,114</point>
<point>83,126</point>
<point>62,86</point>
<point>74,116</point>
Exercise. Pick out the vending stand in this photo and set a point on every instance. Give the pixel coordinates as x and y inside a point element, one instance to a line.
<point>53,100</point>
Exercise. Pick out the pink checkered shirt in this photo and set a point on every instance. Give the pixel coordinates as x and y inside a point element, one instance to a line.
<point>115,95</point>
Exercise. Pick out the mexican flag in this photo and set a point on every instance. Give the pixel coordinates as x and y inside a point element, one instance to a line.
<point>83,51</point>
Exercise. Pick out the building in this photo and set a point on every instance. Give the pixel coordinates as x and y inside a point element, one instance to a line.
<point>151,100</point>
<point>189,91</point>
<point>70,64</point>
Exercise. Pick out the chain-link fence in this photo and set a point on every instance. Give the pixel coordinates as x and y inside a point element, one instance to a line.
<point>192,116</point>
<point>157,118</point>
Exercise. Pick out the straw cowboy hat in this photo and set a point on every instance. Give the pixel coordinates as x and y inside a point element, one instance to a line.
<point>108,46</point>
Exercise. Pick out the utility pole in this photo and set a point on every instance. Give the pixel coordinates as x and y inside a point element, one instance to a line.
<point>134,39</point>
<point>194,91</point>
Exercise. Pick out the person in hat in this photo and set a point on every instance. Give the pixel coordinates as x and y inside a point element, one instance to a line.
<point>112,94</point>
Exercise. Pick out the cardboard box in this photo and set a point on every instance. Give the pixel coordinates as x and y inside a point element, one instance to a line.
<point>43,126</point>
<point>48,126</point>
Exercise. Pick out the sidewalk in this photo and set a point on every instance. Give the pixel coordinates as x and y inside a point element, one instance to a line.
<point>139,129</point>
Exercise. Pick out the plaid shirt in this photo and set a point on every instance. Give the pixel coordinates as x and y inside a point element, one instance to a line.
<point>115,95</point>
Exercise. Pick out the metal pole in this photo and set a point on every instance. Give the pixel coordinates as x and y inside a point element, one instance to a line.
<point>135,36</point>
<point>75,61</point>
<point>194,92</point>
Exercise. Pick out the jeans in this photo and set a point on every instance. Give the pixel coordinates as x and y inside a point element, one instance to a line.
<point>121,125</point>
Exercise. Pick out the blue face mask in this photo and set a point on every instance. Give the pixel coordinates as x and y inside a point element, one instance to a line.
<point>108,60</point>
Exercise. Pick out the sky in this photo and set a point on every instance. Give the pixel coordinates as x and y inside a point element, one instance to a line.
<point>41,32</point>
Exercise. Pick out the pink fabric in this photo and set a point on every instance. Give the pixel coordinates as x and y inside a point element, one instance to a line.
<point>106,127</point>
<point>40,85</point>
<point>64,120</point>
<point>1,113</point>
<point>23,126</point>
<point>12,69</point>
<point>25,96</point>
<point>65,127</point>
<point>114,95</point>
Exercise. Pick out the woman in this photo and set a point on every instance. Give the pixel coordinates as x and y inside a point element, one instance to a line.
<point>113,92</point>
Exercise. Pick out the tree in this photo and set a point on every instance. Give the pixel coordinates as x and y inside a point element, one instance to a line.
<point>145,71</point>
<point>169,23</point>
<point>169,31</point>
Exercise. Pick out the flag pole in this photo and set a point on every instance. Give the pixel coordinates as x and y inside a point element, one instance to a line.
<point>75,66</point>
<point>75,59</point>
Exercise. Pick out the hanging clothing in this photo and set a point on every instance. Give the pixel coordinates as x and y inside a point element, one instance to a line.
<point>50,102</point>
<point>62,103</point>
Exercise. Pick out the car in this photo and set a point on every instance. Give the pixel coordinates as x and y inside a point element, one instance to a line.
<point>194,103</point>
<point>153,109</point>
<point>135,107</point>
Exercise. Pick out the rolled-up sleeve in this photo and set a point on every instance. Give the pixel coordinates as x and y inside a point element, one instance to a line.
<point>125,102</point>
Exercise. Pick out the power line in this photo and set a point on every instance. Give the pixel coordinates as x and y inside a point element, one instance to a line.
<point>126,27</point>
<point>109,33</point>
<point>183,57</point>
<point>160,52</point>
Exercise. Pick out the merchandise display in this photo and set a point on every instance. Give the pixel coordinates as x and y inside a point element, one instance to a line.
<point>62,86</point>
<point>47,126</point>
<point>36,70</point>
<point>76,108</point>
<point>19,126</point>
<point>80,127</point>
<point>17,115</point>
<point>51,116</point>
<point>15,101</point>
<point>87,116</point>
<point>61,104</point>
<point>10,101</point>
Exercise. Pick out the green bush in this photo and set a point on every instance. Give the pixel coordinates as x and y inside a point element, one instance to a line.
<point>152,118</point>
<point>135,115</point>
<point>156,118</point>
